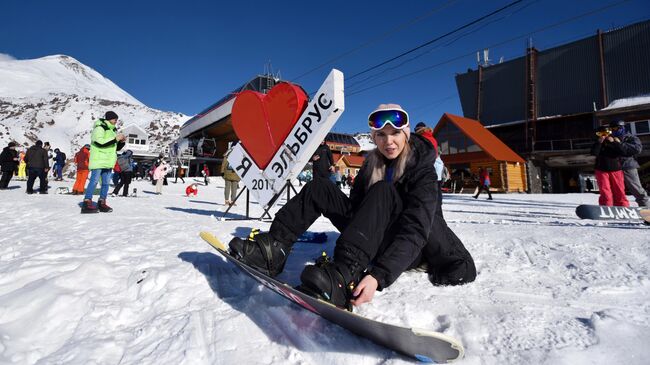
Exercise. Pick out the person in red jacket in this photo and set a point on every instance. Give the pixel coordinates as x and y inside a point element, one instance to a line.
<point>206,174</point>
<point>191,189</point>
<point>483,183</point>
<point>81,159</point>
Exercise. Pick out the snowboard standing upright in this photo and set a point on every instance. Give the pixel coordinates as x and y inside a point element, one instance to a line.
<point>423,345</point>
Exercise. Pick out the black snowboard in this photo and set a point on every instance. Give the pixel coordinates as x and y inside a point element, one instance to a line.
<point>600,212</point>
<point>423,345</point>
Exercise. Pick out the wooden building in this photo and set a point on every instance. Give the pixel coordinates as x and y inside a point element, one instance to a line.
<point>467,146</point>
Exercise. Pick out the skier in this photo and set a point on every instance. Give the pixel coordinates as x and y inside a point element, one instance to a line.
<point>386,224</point>
<point>483,183</point>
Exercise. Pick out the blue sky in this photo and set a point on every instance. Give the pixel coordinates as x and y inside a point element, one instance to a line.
<point>184,55</point>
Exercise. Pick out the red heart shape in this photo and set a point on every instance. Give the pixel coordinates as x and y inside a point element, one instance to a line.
<point>263,121</point>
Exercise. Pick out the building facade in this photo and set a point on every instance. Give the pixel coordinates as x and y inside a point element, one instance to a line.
<point>546,105</point>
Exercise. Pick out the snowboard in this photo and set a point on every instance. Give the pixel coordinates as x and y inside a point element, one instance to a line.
<point>601,212</point>
<point>419,344</point>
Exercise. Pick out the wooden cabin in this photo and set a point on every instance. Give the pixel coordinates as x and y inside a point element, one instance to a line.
<point>466,145</point>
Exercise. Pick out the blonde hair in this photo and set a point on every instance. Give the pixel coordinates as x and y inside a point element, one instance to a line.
<point>376,165</point>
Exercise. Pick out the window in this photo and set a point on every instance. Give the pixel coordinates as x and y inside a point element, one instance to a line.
<point>642,127</point>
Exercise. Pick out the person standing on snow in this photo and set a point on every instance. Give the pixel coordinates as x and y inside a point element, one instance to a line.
<point>386,224</point>
<point>22,167</point>
<point>37,165</point>
<point>630,146</point>
<point>125,162</point>
<point>231,179</point>
<point>105,142</point>
<point>9,162</point>
<point>81,158</point>
<point>322,163</point>
<point>59,163</point>
<point>483,183</point>
<point>159,175</point>
<point>608,169</point>
<point>206,174</point>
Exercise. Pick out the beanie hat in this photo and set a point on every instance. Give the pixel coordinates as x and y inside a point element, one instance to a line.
<point>406,130</point>
<point>11,144</point>
<point>110,115</point>
<point>419,125</point>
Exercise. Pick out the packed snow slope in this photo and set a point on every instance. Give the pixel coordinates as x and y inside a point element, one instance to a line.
<point>138,286</point>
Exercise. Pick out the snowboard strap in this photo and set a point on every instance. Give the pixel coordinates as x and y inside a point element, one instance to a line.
<point>265,249</point>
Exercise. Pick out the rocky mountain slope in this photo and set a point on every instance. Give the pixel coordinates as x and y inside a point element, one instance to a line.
<point>57,99</point>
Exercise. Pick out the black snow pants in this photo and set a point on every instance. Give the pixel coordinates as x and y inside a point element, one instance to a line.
<point>370,229</point>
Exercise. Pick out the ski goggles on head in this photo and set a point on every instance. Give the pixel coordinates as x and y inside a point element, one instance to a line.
<point>397,118</point>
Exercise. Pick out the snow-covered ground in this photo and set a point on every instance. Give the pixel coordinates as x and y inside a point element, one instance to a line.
<point>138,286</point>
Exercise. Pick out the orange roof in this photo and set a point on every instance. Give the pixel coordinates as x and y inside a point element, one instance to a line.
<point>488,142</point>
<point>354,160</point>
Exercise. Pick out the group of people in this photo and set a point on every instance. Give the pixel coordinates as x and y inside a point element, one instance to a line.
<point>616,168</point>
<point>31,164</point>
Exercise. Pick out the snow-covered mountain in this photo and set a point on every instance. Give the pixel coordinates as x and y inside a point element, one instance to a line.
<point>57,99</point>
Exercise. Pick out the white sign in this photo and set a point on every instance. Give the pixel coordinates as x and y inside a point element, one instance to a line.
<point>297,149</point>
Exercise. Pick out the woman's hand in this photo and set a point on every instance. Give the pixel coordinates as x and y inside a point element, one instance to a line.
<point>365,291</point>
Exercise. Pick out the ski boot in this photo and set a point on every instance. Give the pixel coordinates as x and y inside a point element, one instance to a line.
<point>88,207</point>
<point>261,252</point>
<point>103,207</point>
<point>330,281</point>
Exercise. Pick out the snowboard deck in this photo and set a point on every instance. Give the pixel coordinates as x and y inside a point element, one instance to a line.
<point>601,212</point>
<point>419,344</point>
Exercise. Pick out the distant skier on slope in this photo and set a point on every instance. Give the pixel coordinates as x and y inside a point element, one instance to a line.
<point>386,225</point>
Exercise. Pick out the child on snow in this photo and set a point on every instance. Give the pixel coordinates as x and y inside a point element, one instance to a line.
<point>191,189</point>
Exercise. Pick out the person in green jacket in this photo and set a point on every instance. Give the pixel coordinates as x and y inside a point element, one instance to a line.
<point>105,142</point>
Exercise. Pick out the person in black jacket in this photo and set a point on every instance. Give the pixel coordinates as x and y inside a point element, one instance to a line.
<point>322,162</point>
<point>387,224</point>
<point>37,166</point>
<point>9,161</point>
<point>630,146</point>
<point>609,174</point>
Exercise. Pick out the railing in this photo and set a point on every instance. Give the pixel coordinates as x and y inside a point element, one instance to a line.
<point>564,144</point>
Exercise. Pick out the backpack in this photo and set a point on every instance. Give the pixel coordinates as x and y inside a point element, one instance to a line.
<point>123,161</point>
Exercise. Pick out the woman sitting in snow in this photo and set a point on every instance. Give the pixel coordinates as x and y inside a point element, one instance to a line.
<point>387,224</point>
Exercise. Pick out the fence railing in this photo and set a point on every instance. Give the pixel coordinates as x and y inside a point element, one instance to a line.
<point>564,144</point>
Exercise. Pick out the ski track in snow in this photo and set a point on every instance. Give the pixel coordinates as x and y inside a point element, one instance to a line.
<point>138,286</point>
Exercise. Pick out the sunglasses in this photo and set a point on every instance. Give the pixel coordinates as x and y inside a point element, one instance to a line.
<point>397,118</point>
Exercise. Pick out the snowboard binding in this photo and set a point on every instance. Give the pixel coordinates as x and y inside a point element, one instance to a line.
<point>329,282</point>
<point>261,251</point>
